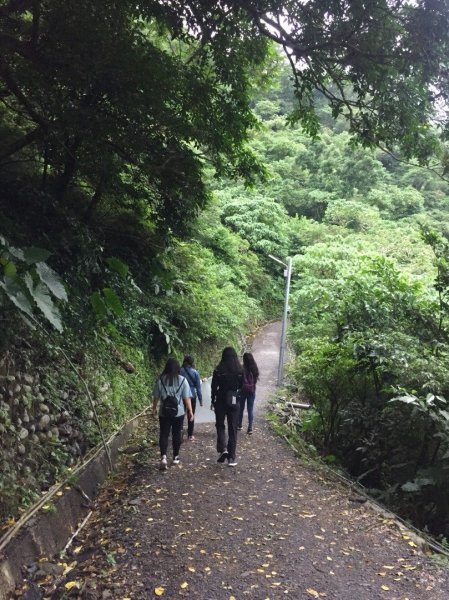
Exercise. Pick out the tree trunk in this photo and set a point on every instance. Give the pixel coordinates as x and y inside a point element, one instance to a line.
<point>69,168</point>
<point>26,140</point>
<point>96,198</point>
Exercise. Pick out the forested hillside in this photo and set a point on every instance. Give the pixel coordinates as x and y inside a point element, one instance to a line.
<point>108,266</point>
<point>370,301</point>
<point>152,155</point>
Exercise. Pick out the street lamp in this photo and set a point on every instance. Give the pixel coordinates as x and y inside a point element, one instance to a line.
<point>287,275</point>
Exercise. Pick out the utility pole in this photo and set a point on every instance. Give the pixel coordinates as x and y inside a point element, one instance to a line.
<point>287,275</point>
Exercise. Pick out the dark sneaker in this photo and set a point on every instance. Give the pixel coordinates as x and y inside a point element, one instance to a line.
<point>250,431</point>
<point>223,456</point>
<point>239,428</point>
<point>232,462</point>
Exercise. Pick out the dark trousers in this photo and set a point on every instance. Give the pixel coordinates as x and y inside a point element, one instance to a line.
<point>191,423</point>
<point>175,425</point>
<point>248,398</point>
<point>231,415</point>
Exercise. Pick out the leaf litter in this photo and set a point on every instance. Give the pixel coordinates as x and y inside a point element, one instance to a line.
<point>270,528</point>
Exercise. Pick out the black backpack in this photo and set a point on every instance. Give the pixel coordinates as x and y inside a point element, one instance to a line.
<point>170,403</point>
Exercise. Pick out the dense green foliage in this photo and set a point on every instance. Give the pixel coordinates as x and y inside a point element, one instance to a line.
<point>103,144</point>
<point>132,117</point>
<point>121,321</point>
<point>119,122</point>
<point>369,305</point>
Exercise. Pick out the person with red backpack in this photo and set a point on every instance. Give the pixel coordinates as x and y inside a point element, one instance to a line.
<point>248,390</point>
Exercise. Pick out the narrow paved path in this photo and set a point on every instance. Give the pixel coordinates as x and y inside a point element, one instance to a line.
<point>270,528</point>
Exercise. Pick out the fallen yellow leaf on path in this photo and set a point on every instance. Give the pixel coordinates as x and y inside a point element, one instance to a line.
<point>159,591</point>
<point>70,585</point>
<point>313,592</point>
<point>385,587</point>
<point>184,584</point>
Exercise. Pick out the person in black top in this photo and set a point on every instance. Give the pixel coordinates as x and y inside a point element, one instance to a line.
<point>226,381</point>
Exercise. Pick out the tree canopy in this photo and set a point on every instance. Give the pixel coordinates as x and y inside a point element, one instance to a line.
<point>121,121</point>
<point>130,100</point>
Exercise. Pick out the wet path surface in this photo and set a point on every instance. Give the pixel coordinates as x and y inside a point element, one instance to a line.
<point>269,528</point>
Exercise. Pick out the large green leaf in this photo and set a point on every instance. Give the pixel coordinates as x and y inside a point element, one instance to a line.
<point>10,269</point>
<point>98,305</point>
<point>52,280</point>
<point>45,303</point>
<point>16,252</point>
<point>35,255</point>
<point>113,301</point>
<point>410,486</point>
<point>405,399</point>
<point>17,295</point>
<point>115,264</point>
<point>29,282</point>
<point>417,484</point>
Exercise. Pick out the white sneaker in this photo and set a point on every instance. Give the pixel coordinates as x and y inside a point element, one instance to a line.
<point>176,460</point>
<point>163,465</point>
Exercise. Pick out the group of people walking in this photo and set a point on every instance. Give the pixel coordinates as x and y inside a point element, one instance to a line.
<point>178,389</point>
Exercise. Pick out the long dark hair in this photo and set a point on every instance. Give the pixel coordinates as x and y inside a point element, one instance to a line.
<point>171,371</point>
<point>229,362</point>
<point>250,365</point>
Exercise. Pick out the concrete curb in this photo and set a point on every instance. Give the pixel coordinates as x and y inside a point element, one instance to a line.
<point>46,534</point>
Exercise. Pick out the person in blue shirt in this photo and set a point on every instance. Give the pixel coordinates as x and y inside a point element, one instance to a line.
<point>193,377</point>
<point>171,384</point>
